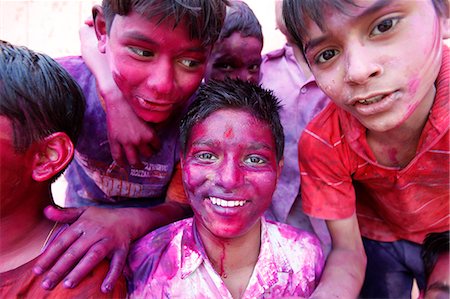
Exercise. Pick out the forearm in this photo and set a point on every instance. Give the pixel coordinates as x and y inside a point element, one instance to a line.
<point>143,220</point>
<point>343,275</point>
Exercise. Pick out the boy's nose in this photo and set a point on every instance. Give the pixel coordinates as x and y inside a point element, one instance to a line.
<point>161,79</point>
<point>361,65</point>
<point>230,175</point>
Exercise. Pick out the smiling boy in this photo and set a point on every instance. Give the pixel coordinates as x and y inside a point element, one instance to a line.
<point>156,52</point>
<point>377,159</point>
<point>231,155</point>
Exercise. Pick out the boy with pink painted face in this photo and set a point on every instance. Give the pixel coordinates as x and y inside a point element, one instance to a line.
<point>156,52</point>
<point>376,161</point>
<point>231,149</point>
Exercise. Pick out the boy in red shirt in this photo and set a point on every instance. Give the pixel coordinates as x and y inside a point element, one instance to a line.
<point>376,161</point>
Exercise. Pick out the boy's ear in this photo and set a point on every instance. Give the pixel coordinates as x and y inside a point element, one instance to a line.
<point>51,156</point>
<point>280,167</point>
<point>100,27</point>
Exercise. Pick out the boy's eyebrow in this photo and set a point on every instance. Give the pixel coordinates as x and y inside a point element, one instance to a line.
<point>378,5</point>
<point>251,146</point>
<point>136,35</point>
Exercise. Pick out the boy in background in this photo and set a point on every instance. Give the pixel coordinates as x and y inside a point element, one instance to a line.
<point>436,260</point>
<point>156,53</point>
<point>41,113</point>
<point>376,161</point>
<point>231,149</point>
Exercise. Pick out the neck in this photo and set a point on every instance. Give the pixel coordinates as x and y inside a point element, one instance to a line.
<point>23,230</point>
<point>233,259</point>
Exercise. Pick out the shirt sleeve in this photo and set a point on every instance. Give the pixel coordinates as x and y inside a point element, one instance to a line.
<point>325,168</point>
<point>175,192</point>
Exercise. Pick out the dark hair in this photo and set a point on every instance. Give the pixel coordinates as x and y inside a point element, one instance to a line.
<point>204,18</point>
<point>238,95</point>
<point>434,245</point>
<point>241,18</point>
<point>38,96</point>
<point>297,12</point>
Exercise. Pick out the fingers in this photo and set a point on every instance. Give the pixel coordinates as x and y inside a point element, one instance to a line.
<point>133,157</point>
<point>88,262</point>
<point>52,253</point>
<point>66,215</point>
<point>117,153</point>
<point>115,270</point>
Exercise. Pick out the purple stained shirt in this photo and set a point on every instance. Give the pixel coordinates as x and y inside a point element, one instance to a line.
<point>171,263</point>
<point>93,177</point>
<point>301,99</point>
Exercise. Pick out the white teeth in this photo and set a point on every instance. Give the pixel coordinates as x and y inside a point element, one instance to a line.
<point>371,100</point>
<point>226,203</point>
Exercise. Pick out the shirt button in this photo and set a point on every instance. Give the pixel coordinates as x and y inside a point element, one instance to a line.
<point>303,90</point>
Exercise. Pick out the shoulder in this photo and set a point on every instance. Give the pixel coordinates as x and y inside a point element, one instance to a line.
<point>153,246</point>
<point>289,235</point>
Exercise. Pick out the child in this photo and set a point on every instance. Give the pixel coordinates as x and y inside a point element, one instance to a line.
<point>231,155</point>
<point>41,113</point>
<point>377,159</point>
<point>435,255</point>
<point>157,53</point>
<point>237,52</point>
<point>286,72</point>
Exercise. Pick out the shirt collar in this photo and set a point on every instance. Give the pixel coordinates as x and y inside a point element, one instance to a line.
<point>271,261</point>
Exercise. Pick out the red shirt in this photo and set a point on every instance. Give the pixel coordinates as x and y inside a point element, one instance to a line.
<point>340,174</point>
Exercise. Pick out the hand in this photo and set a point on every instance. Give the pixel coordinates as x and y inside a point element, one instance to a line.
<point>96,233</point>
<point>128,135</point>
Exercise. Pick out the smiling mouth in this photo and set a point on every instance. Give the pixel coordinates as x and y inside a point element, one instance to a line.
<point>371,100</point>
<point>226,203</point>
<point>153,105</point>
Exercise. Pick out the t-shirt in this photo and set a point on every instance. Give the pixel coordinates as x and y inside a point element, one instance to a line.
<point>340,174</point>
<point>93,176</point>
<point>171,263</point>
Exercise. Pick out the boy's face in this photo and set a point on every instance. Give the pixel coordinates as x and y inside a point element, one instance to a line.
<point>15,168</point>
<point>156,67</point>
<point>379,62</point>
<point>235,57</point>
<point>230,172</point>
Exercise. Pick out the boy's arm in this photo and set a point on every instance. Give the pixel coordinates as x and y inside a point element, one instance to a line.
<point>97,233</point>
<point>129,136</point>
<point>344,271</point>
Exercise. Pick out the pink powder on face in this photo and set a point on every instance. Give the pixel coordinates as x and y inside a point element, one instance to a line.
<point>228,133</point>
<point>413,85</point>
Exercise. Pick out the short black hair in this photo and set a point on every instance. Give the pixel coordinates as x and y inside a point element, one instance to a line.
<point>38,96</point>
<point>434,245</point>
<point>239,95</point>
<point>241,18</point>
<point>204,18</point>
<point>297,12</point>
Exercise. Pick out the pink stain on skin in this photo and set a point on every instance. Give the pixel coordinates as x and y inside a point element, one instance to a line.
<point>228,133</point>
<point>413,85</point>
<point>392,153</point>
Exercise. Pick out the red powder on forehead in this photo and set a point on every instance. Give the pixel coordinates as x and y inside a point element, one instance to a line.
<point>228,133</point>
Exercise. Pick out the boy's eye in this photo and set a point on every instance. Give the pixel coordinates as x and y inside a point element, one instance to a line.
<point>142,52</point>
<point>255,160</point>
<point>206,157</point>
<point>223,66</point>
<point>384,26</point>
<point>254,68</point>
<point>326,55</point>
<point>189,63</point>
